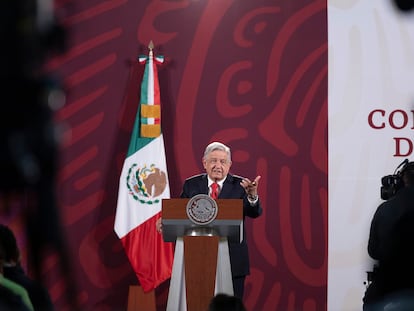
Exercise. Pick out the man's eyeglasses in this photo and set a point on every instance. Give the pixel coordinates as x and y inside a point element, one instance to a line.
<point>216,161</point>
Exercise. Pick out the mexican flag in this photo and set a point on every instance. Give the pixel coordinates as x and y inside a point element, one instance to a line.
<point>142,186</point>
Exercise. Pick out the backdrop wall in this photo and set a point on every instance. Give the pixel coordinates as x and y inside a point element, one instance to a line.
<point>252,74</point>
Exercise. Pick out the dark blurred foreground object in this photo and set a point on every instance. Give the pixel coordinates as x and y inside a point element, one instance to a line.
<point>12,270</point>
<point>28,141</point>
<point>404,5</point>
<point>12,295</point>
<point>9,301</point>
<point>398,301</point>
<point>27,138</point>
<point>390,242</point>
<point>224,302</point>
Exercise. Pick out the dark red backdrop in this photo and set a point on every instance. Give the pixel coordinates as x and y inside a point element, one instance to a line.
<point>252,74</point>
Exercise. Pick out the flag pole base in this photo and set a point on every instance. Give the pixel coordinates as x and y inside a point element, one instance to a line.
<point>140,301</point>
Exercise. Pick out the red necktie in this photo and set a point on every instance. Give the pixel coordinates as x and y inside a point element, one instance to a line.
<point>214,190</point>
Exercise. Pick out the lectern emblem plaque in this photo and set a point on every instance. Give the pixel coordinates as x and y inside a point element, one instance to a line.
<point>201,209</point>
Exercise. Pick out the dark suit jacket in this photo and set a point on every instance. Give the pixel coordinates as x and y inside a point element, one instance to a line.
<point>239,254</point>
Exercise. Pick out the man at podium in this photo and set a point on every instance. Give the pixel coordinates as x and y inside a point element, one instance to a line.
<point>220,184</point>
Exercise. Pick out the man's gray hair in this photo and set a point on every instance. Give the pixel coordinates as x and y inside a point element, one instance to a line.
<point>217,146</point>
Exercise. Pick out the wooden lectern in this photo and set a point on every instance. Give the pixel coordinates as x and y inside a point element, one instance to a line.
<point>201,252</point>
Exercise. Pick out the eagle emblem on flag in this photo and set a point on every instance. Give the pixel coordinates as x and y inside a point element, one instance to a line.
<point>146,183</point>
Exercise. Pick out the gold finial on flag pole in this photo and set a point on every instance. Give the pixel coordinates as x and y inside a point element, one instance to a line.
<point>151,108</point>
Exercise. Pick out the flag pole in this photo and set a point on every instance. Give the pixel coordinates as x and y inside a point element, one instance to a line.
<point>143,185</point>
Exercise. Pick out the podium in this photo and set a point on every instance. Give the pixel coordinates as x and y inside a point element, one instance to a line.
<point>201,261</point>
